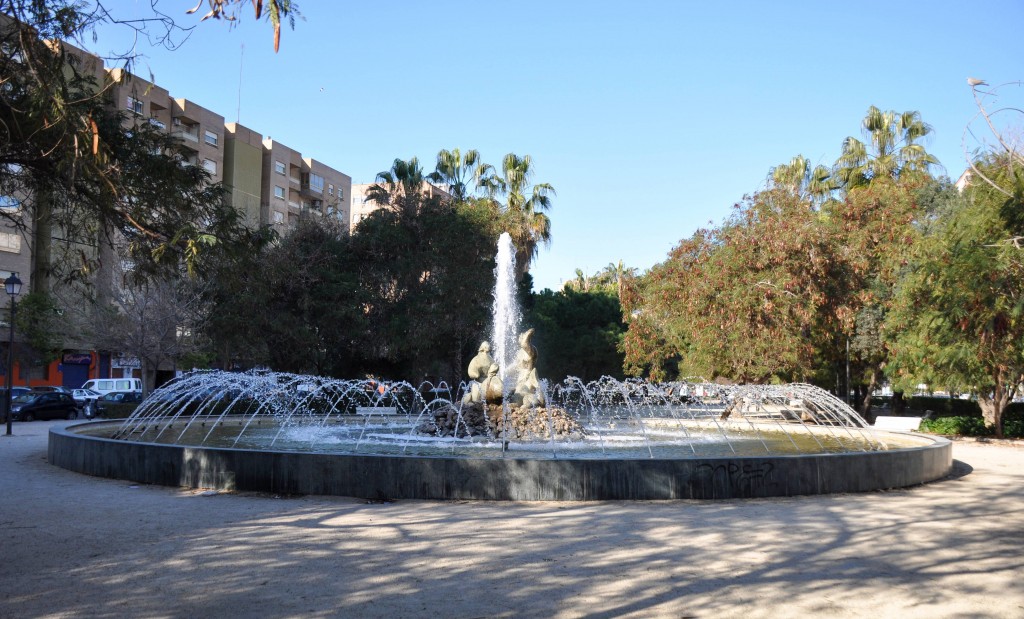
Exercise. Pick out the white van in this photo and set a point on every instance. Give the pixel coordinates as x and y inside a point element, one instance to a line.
<point>106,385</point>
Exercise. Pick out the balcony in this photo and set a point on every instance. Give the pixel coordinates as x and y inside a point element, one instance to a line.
<point>188,135</point>
<point>157,123</point>
<point>294,179</point>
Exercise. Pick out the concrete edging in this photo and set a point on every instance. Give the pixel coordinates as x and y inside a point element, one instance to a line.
<point>396,477</point>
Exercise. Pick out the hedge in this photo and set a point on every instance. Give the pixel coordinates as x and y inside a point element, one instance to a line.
<point>118,410</point>
<point>953,407</point>
<point>970,426</point>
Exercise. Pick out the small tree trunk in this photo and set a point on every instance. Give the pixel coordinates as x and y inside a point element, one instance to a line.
<point>898,403</point>
<point>992,409</point>
<point>42,242</point>
<point>865,406</point>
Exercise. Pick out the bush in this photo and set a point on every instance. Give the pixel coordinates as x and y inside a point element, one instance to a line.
<point>119,410</point>
<point>961,426</point>
<point>1013,428</point>
<point>1014,412</point>
<point>945,407</point>
<point>971,426</point>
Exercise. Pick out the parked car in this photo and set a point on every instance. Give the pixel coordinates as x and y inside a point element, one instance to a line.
<point>15,392</point>
<point>84,396</point>
<point>43,405</point>
<point>107,385</point>
<point>115,397</point>
<point>51,388</point>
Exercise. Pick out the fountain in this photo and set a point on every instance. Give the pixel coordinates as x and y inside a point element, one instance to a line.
<point>504,434</point>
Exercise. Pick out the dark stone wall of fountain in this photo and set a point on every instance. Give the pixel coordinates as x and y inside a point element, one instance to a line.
<point>393,477</point>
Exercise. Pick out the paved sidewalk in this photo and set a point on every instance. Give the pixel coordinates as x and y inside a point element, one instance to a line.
<point>76,546</point>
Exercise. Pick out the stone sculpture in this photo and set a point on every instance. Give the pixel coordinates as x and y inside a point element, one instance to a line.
<point>481,363</point>
<point>528,391</point>
<point>487,409</point>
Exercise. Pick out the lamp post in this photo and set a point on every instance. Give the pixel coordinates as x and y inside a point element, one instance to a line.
<point>13,287</point>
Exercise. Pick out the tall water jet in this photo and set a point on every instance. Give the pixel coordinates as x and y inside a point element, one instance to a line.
<point>505,310</point>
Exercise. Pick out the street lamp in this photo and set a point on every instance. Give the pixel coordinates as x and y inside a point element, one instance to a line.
<point>13,286</point>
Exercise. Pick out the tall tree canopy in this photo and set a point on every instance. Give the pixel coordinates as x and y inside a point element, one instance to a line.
<point>748,301</point>
<point>958,316</point>
<point>892,150</point>
<point>799,270</point>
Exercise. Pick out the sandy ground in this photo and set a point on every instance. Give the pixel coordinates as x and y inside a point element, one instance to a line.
<point>76,546</point>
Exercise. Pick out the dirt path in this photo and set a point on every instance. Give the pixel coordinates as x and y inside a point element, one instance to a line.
<point>75,546</point>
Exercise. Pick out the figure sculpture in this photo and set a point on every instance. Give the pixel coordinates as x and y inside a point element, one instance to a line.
<point>481,363</point>
<point>486,386</point>
<point>528,390</point>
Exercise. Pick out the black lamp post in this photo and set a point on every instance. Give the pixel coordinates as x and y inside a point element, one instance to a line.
<point>13,286</point>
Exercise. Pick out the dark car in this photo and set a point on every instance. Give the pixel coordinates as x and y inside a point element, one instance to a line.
<point>116,397</point>
<point>43,405</point>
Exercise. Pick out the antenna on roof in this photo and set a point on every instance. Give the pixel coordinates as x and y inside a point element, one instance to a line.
<point>238,110</point>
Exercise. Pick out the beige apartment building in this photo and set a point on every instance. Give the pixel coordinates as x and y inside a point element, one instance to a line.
<point>362,206</point>
<point>17,231</point>
<point>297,186</point>
<point>268,182</point>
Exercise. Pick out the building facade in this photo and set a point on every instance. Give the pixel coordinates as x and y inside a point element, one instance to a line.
<point>267,182</point>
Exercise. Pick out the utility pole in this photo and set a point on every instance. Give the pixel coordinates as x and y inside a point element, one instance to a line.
<point>847,398</point>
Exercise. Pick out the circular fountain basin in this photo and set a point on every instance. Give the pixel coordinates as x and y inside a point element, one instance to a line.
<point>744,466</point>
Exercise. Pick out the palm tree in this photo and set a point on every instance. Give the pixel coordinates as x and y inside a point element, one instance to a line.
<point>894,150</point>
<point>455,172</point>
<point>522,211</point>
<point>815,184</point>
<point>399,189</point>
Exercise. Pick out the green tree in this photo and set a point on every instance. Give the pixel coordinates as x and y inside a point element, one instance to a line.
<point>427,282</point>
<point>460,174</point>
<point>579,333</point>
<point>874,229</point>
<point>957,317</point>
<point>816,184</point>
<point>892,150</point>
<point>753,300</point>
<point>81,172</point>
<point>401,188</point>
<point>523,207</point>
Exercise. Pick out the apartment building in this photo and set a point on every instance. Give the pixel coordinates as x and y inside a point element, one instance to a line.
<point>243,173</point>
<point>266,181</point>
<point>17,230</point>
<point>361,206</point>
<point>298,186</point>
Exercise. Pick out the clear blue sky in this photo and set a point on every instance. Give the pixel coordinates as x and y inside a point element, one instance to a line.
<point>650,119</point>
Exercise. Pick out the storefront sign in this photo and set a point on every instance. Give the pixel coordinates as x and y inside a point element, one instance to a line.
<point>124,361</point>
<point>76,358</point>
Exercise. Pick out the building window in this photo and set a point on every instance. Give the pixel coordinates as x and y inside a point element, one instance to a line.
<point>330,189</point>
<point>211,138</point>
<point>8,203</point>
<point>315,182</point>
<point>210,165</point>
<point>10,242</point>
<point>279,192</point>
<point>134,105</point>
<point>279,167</point>
<point>340,197</point>
<point>278,217</point>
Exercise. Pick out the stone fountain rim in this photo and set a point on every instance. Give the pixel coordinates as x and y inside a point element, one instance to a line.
<point>463,478</point>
